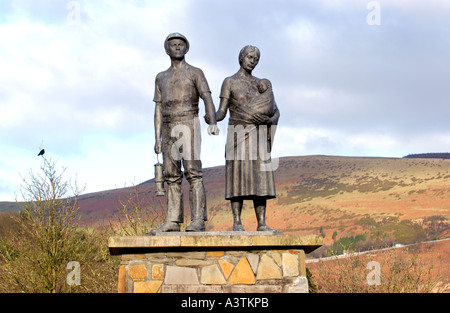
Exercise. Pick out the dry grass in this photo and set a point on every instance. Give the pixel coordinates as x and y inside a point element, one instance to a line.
<point>405,270</point>
<point>45,238</point>
<point>138,214</point>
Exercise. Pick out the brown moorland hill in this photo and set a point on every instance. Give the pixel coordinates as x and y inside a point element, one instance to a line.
<point>407,199</point>
<point>353,195</point>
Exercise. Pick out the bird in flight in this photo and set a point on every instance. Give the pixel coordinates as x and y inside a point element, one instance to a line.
<point>41,153</point>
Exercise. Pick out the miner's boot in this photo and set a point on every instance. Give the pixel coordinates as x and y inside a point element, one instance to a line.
<point>174,210</point>
<point>197,199</point>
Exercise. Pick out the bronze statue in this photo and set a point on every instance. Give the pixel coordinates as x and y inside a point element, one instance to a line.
<point>253,111</point>
<point>177,133</point>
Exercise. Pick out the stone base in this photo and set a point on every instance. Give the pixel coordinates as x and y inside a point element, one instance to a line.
<point>220,233</point>
<point>213,262</point>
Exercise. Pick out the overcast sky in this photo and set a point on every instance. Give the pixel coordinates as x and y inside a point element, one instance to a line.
<point>351,78</point>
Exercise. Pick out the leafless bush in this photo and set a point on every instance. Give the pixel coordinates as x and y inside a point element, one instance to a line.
<point>399,272</point>
<point>139,213</point>
<point>34,256</point>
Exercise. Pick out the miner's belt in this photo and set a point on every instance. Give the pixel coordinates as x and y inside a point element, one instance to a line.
<point>185,116</point>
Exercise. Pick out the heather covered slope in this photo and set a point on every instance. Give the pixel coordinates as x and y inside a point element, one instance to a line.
<point>351,195</point>
<point>407,198</point>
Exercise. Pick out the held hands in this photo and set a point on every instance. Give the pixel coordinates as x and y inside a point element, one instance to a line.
<point>213,130</point>
<point>158,147</point>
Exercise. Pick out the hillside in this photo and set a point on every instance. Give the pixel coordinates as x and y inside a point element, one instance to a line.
<point>353,195</point>
<point>408,199</point>
<point>339,197</point>
<point>444,155</point>
<point>8,206</point>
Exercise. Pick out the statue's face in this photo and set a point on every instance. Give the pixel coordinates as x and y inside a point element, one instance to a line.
<point>250,60</point>
<point>176,48</point>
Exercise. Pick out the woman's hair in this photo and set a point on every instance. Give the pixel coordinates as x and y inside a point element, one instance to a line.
<point>246,50</point>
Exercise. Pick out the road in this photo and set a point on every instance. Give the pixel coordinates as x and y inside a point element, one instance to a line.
<point>346,255</point>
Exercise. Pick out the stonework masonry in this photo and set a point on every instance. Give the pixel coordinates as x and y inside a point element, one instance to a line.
<point>212,266</point>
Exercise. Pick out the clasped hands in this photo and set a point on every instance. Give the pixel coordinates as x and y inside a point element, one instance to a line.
<point>213,129</point>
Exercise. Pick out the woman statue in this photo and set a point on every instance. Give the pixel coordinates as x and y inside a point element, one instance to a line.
<point>253,110</point>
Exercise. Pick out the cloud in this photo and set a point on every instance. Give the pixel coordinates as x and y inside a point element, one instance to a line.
<point>292,141</point>
<point>70,81</point>
<point>342,86</point>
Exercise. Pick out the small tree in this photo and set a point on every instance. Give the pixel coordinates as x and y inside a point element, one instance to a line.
<point>334,235</point>
<point>321,232</point>
<point>34,259</point>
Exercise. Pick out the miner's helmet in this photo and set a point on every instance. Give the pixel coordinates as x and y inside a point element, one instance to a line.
<point>173,36</point>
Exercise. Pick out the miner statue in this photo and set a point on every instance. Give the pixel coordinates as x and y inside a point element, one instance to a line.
<point>178,134</point>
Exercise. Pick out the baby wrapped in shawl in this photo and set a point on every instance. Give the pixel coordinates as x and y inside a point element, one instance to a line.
<point>264,102</point>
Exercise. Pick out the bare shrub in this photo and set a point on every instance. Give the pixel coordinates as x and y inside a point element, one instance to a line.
<point>400,272</point>
<point>139,213</point>
<point>35,254</point>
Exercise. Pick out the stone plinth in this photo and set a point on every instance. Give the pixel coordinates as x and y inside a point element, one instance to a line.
<point>213,262</point>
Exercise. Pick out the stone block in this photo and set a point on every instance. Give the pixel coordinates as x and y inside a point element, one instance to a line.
<point>268,269</point>
<point>191,289</point>
<point>288,241</point>
<point>215,254</point>
<point>253,289</point>
<point>137,272</point>
<point>158,271</point>
<point>301,261</point>
<point>145,244</point>
<point>226,267</point>
<point>276,257</point>
<point>156,255</point>
<point>299,285</point>
<point>160,260</point>
<point>234,254</point>
<point>268,240</point>
<point>290,264</point>
<point>253,260</point>
<point>147,286</point>
<point>215,241</point>
<point>127,257</point>
<point>181,276</point>
<point>225,262</point>
<point>211,275</point>
<point>192,262</point>
<point>122,282</point>
<point>242,274</point>
<point>187,255</point>
<point>116,243</point>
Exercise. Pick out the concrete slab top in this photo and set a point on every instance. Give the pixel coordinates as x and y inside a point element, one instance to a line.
<point>212,241</point>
